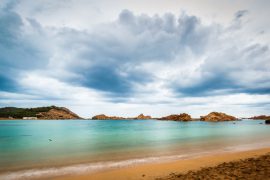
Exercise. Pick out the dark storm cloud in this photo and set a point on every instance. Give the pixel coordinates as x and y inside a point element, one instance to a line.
<point>106,78</point>
<point>234,70</point>
<point>10,27</point>
<point>18,53</point>
<point>209,86</point>
<point>113,59</point>
<point>7,84</point>
<point>239,14</point>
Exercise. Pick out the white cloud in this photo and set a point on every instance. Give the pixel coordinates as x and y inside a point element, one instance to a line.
<point>132,61</point>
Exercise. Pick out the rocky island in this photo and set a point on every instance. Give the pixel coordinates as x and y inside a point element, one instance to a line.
<point>50,112</point>
<point>105,117</point>
<point>213,116</point>
<point>218,116</point>
<point>177,117</point>
<point>141,116</point>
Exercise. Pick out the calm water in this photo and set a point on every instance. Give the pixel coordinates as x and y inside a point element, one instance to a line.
<point>31,144</point>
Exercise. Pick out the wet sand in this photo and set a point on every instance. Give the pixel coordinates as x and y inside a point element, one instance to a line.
<point>170,170</point>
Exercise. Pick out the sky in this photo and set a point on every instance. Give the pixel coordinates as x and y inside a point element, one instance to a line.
<point>156,57</point>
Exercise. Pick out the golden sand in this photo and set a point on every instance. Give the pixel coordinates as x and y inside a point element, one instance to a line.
<point>154,170</point>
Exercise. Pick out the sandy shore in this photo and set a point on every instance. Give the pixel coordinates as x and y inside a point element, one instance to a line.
<point>251,168</point>
<point>160,170</point>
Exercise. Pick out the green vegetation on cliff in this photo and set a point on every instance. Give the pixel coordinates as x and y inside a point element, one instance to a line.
<point>19,113</point>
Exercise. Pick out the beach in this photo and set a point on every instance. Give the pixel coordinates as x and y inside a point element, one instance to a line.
<point>133,90</point>
<point>166,170</point>
<point>124,149</point>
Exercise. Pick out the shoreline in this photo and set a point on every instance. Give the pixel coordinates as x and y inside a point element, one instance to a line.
<point>135,168</point>
<point>182,143</point>
<point>164,169</point>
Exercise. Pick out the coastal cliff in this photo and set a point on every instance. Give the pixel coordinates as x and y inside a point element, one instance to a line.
<point>177,117</point>
<point>58,113</point>
<point>218,116</point>
<point>50,112</point>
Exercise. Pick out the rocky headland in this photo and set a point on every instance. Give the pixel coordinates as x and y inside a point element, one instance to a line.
<point>177,117</point>
<point>58,113</point>
<point>50,112</point>
<point>218,116</point>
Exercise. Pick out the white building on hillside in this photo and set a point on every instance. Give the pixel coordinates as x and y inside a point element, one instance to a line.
<point>29,118</point>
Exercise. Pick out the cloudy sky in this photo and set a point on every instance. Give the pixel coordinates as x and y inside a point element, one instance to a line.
<point>140,56</point>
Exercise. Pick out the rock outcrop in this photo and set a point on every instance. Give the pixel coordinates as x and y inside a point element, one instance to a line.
<point>218,116</point>
<point>177,117</point>
<point>261,117</point>
<point>100,116</point>
<point>141,116</point>
<point>251,168</point>
<point>58,113</point>
<point>104,117</point>
<point>267,121</point>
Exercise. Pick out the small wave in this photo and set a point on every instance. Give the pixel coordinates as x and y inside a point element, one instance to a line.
<point>99,166</point>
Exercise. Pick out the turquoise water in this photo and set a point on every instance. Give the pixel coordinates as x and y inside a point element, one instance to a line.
<point>26,144</point>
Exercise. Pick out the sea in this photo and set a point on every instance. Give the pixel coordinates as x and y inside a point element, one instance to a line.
<point>31,149</point>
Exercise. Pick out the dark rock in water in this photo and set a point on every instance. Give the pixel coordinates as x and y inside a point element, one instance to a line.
<point>50,140</point>
<point>267,121</point>
<point>100,116</point>
<point>104,117</point>
<point>141,116</point>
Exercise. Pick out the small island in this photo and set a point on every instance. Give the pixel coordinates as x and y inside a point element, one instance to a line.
<point>105,117</point>
<point>218,116</point>
<point>177,117</point>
